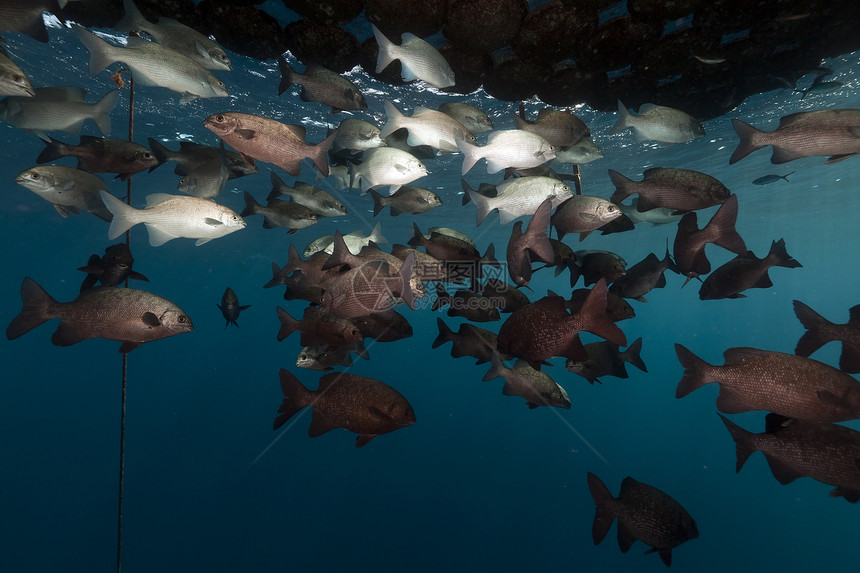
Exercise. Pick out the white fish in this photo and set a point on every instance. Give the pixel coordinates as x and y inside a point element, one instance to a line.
<point>659,123</point>
<point>508,148</point>
<point>518,197</point>
<point>153,65</point>
<point>578,154</point>
<point>176,36</point>
<point>355,241</point>
<point>68,189</point>
<point>170,217</point>
<point>57,109</point>
<point>427,127</point>
<point>387,166</point>
<point>418,59</point>
<point>655,216</point>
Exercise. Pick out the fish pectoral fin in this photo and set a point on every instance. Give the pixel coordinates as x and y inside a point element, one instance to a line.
<point>379,414</point>
<point>212,222</point>
<point>320,424</point>
<point>588,217</point>
<point>199,242</point>
<point>831,399</point>
<point>188,97</point>
<point>150,320</point>
<point>201,49</point>
<point>402,169</point>
<point>362,439</point>
<point>128,346</point>
<point>783,473</point>
<point>246,133</point>
<point>65,210</point>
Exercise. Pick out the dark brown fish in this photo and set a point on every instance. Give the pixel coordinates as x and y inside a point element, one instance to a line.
<point>112,269</point>
<point>559,128</point>
<point>790,385</point>
<point>689,247</point>
<point>606,359</point>
<point>321,85</point>
<point>342,257</point>
<point>506,297</point>
<point>383,328</point>
<point>678,189</point>
<point>369,289</point>
<point>544,329</point>
<point>129,315</point>
<point>643,277</point>
<point>194,158</point>
<point>820,331</point>
<point>617,309</point>
<point>321,356</point>
<point>594,265</point>
<point>829,132</point>
<point>230,307</point>
<point>25,16</point>
<point>467,304</point>
<point>317,325</point>
<point>644,513</point>
<point>264,139</point>
<point>744,272</point>
<point>470,340</point>
<point>297,287</point>
<point>534,386</point>
<point>426,267</point>
<point>828,453</point>
<point>102,155</point>
<point>276,213</point>
<point>534,244</point>
<point>407,199</point>
<point>362,405</point>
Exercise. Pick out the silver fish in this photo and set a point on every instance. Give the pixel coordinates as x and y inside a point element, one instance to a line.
<point>518,197</point>
<point>427,127</point>
<point>13,81</point>
<point>170,217</point>
<point>387,166</point>
<point>277,213</point>
<point>659,123</point>
<point>472,117</point>
<point>418,59</point>
<point>153,65</point>
<point>583,214</point>
<point>507,148</point>
<point>408,199</point>
<point>580,153</point>
<point>68,189</point>
<point>320,202</point>
<point>57,109</point>
<point>355,241</point>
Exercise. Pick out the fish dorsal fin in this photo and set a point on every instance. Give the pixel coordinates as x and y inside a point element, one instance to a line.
<point>150,320</point>
<point>787,120</point>
<point>154,199</point>
<point>298,130</point>
<point>421,110</point>
<point>190,146</point>
<point>646,107</point>
<point>328,380</point>
<point>737,355</point>
<point>409,37</point>
<point>320,424</point>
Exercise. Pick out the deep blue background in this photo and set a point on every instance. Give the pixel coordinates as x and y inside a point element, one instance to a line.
<point>479,481</point>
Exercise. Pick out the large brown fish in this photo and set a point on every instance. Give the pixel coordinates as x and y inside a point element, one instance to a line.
<point>268,140</point>
<point>793,448</point>
<point>362,405</point>
<point>369,289</point>
<point>102,155</point>
<point>383,328</point>
<point>790,385</point>
<point>690,241</point>
<point>678,189</point>
<point>829,132</point>
<point>124,314</point>
<point>644,513</point>
<point>820,331</point>
<point>544,329</point>
<point>745,271</point>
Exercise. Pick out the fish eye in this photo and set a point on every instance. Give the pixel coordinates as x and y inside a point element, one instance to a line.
<point>17,78</point>
<point>34,176</point>
<point>147,155</point>
<point>220,84</point>
<point>219,117</point>
<point>182,319</point>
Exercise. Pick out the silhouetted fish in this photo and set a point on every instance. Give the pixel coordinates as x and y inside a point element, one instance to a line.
<point>230,307</point>
<point>111,269</point>
<point>606,359</point>
<point>362,405</point>
<point>820,331</point>
<point>689,246</point>
<point>644,276</point>
<point>523,246</point>
<point>102,155</point>
<point>470,340</point>
<point>744,272</point>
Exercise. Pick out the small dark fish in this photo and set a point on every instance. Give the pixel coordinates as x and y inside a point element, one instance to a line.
<point>536,387</point>
<point>321,85</point>
<point>767,179</point>
<point>594,265</point>
<point>276,213</point>
<point>828,453</point>
<point>383,328</point>
<point>322,356</point>
<point>362,405</point>
<point>470,340</point>
<point>124,314</point>
<point>320,202</point>
<point>678,189</point>
<point>744,272</point>
<point>559,128</point>
<point>407,199</point>
<point>607,359</point>
<point>563,258</point>
<point>230,307</point>
<point>820,331</point>
<point>102,155</point>
<point>533,244</point>
<point>317,325</point>
<point>644,276</point>
<point>112,269</point>
<point>194,158</point>
<point>466,303</point>
<point>506,297</point>
<point>790,385</point>
<point>297,287</point>
<point>644,513</point>
<point>690,241</point>
<point>617,308</point>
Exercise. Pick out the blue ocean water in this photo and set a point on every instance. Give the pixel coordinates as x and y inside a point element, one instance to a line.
<point>480,481</point>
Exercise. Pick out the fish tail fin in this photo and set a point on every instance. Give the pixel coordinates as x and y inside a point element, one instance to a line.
<point>340,255</point>
<point>287,75</point>
<point>102,111</point>
<point>376,235</point>
<point>723,223</point>
<point>481,202</point>
<point>101,53</point>
<point>160,152</point>
<point>405,287</point>
<point>816,330</point>
<point>595,320</point>
<point>394,122</point>
<point>296,397</point>
<point>319,153</point>
<point>277,278</point>
<point>632,356</point>
<point>445,333</point>
<point>746,145</point>
<point>695,370</point>
<point>623,186</point>
<point>471,155</point>
<point>379,202</point>
<point>36,309</point>
<point>744,444</point>
<point>496,370</point>
<point>780,257</point>
<point>53,150</point>
<point>252,207</point>
<point>288,324</point>
<point>604,513</point>
<point>623,121</point>
<point>124,216</point>
<point>442,298</point>
<point>386,55</point>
